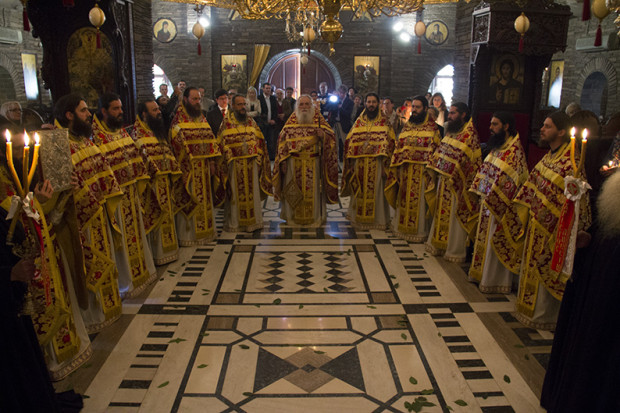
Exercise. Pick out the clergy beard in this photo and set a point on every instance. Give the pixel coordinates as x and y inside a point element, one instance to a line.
<point>454,126</point>
<point>496,140</point>
<point>371,115</point>
<point>156,124</point>
<point>304,117</point>
<point>192,111</point>
<point>241,117</point>
<point>417,119</point>
<point>114,123</point>
<point>81,128</point>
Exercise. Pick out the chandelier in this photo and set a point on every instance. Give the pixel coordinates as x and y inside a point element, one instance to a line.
<point>303,16</point>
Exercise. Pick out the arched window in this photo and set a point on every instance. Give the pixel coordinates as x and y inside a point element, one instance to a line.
<point>160,77</point>
<point>443,83</point>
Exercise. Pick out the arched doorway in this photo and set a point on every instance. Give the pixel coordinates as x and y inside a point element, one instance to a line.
<point>285,70</point>
<point>7,88</point>
<point>594,93</point>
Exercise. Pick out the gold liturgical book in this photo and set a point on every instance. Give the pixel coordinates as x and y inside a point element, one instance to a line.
<point>55,158</point>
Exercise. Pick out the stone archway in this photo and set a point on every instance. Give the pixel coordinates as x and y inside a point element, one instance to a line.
<point>329,65</point>
<point>16,76</point>
<point>606,68</point>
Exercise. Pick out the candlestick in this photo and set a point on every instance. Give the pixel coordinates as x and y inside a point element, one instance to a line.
<point>582,157</point>
<point>35,158</point>
<point>25,161</point>
<point>572,150</point>
<point>9,161</point>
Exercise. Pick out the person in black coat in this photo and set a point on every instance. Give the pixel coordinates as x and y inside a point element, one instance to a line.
<point>269,113</point>
<point>216,114</point>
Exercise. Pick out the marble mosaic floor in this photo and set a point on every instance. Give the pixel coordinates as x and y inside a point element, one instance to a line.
<point>314,320</point>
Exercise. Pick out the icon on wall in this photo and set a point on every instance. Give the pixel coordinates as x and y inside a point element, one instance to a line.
<point>164,30</point>
<point>234,72</point>
<point>29,65</point>
<point>366,74</point>
<point>436,32</point>
<point>555,81</point>
<point>506,80</point>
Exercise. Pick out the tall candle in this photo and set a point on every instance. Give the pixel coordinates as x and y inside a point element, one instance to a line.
<point>35,158</point>
<point>9,161</point>
<point>572,149</point>
<point>25,161</point>
<point>584,141</point>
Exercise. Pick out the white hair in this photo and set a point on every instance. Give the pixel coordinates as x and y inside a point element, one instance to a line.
<point>608,202</point>
<point>305,118</point>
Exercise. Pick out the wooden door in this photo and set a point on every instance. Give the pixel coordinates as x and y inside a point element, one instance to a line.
<point>288,71</point>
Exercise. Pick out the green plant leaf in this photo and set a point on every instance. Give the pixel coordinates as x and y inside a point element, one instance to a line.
<point>427,391</point>
<point>174,272</point>
<point>204,334</point>
<point>277,301</point>
<point>396,285</point>
<point>372,307</point>
<point>237,290</point>
<point>412,380</point>
<point>177,340</point>
<point>244,346</point>
<point>485,396</point>
<point>325,289</point>
<point>450,408</point>
<point>461,402</point>
<point>319,352</point>
<point>438,334</point>
<point>206,289</point>
<point>404,336</point>
<point>301,306</point>
<point>202,366</point>
<point>408,406</point>
<point>506,378</point>
<point>164,384</point>
<point>392,276</point>
<point>257,305</point>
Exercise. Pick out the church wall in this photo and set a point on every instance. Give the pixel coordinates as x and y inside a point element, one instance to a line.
<point>462,55</point>
<point>143,46</point>
<point>10,56</point>
<point>578,65</point>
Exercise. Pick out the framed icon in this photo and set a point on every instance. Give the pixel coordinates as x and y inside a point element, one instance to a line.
<point>556,74</point>
<point>436,32</point>
<point>506,80</point>
<point>366,74</point>
<point>164,30</point>
<point>29,65</point>
<point>234,72</point>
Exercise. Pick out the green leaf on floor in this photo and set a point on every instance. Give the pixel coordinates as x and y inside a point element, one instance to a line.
<point>461,402</point>
<point>244,346</point>
<point>519,346</point>
<point>408,407</point>
<point>202,366</point>
<point>392,276</point>
<point>183,265</point>
<point>506,378</point>
<point>164,384</point>
<point>413,380</point>
<point>349,251</point>
<point>301,306</point>
<point>170,275</point>
<point>396,285</point>
<point>372,307</point>
<point>177,340</point>
<point>325,277</point>
<point>404,336</point>
<point>319,352</point>
<point>438,334</point>
<point>277,301</point>
<point>257,305</point>
<point>427,391</point>
<point>402,322</point>
<point>204,334</point>
<point>237,290</point>
<point>174,272</point>
<point>325,289</point>
<point>248,394</point>
<point>485,396</point>
<point>205,293</point>
<point>450,408</point>
<point>206,289</point>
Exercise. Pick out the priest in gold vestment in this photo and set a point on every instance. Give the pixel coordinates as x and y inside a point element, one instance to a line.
<point>410,182</point>
<point>497,181</point>
<point>161,203</point>
<point>367,154</point>
<point>456,209</point>
<point>198,153</point>
<point>96,201</point>
<point>246,169</point>
<point>305,172</point>
<point>133,257</point>
<point>537,228</point>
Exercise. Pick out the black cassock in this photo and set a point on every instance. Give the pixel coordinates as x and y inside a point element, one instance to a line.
<point>584,367</point>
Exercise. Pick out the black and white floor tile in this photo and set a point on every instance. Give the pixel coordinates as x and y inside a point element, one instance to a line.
<point>319,320</point>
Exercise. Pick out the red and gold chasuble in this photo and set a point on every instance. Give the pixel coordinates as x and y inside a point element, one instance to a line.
<point>535,225</point>
<point>96,201</point>
<point>121,152</point>
<point>195,146</point>
<point>368,144</point>
<point>243,146</point>
<point>497,182</point>
<point>408,173</point>
<point>457,159</point>
<point>160,206</point>
<point>53,318</point>
<point>301,144</point>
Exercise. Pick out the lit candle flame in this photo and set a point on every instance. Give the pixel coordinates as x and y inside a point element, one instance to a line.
<point>584,135</point>
<point>572,132</point>
<point>7,135</point>
<point>26,140</point>
<point>37,139</point>
<point>611,164</point>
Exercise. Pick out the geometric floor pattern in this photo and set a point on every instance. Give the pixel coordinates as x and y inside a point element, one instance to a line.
<point>316,320</point>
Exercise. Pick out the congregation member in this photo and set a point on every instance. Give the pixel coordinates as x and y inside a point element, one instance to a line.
<point>387,107</point>
<point>97,198</point>
<point>410,182</point>
<point>357,109</point>
<point>289,103</point>
<point>252,106</point>
<point>218,112</point>
<point>456,161</point>
<point>269,115</point>
<point>305,172</point>
<point>11,115</point>
<point>440,103</point>
<point>162,202</point>
<point>534,227</point>
<point>497,182</point>
<point>196,149</point>
<point>54,312</point>
<point>367,154</point>
<point>134,260</point>
<point>433,112</point>
<point>246,170</point>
